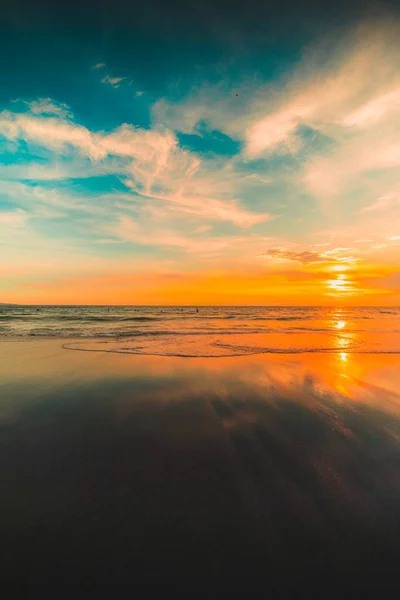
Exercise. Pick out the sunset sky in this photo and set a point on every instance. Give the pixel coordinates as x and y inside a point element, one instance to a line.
<point>199,153</point>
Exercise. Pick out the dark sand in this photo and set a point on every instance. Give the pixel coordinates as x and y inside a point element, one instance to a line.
<point>276,471</point>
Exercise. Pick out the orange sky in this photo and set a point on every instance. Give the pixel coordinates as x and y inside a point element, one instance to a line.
<point>280,190</point>
<point>337,284</point>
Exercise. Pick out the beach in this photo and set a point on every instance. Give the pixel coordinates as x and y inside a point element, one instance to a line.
<point>125,468</point>
<point>200,297</point>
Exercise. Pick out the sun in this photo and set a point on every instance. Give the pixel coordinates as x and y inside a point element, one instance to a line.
<point>341,285</point>
<point>340,268</point>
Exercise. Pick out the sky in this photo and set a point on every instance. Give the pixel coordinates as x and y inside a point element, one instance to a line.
<point>200,152</point>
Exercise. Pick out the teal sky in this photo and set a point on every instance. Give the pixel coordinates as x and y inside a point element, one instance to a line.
<point>255,146</point>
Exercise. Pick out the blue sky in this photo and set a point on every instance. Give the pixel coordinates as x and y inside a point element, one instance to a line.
<point>251,149</point>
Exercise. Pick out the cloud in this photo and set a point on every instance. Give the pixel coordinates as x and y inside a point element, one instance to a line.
<point>199,245</point>
<point>50,202</point>
<point>54,170</point>
<point>337,96</point>
<point>47,106</point>
<point>374,110</point>
<point>51,132</point>
<point>206,208</point>
<point>113,81</point>
<point>387,202</point>
<point>14,218</point>
<point>37,172</point>
<point>154,165</point>
<point>335,256</point>
<point>304,256</point>
<point>337,99</point>
<point>322,139</point>
<point>330,90</point>
<point>127,229</point>
<point>363,126</point>
<point>163,171</point>
<point>214,105</point>
<point>62,135</point>
<point>345,93</point>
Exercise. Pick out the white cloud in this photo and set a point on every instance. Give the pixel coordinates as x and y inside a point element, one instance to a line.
<point>50,132</point>
<point>47,106</point>
<point>113,81</point>
<point>154,165</point>
<point>348,94</point>
<point>374,110</point>
<point>354,90</point>
<point>204,207</point>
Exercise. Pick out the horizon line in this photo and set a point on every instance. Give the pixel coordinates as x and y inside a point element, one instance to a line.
<point>207,305</point>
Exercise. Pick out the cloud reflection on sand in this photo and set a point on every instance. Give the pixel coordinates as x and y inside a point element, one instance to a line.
<point>260,458</point>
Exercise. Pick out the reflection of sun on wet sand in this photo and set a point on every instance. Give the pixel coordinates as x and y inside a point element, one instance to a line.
<point>168,468</point>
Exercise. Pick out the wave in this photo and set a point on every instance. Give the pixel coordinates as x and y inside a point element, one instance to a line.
<point>120,323</point>
<point>125,333</point>
<point>234,352</point>
<point>78,319</point>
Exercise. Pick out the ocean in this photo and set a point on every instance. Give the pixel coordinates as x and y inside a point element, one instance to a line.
<point>208,331</point>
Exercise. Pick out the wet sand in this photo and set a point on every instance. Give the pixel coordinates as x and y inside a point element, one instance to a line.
<point>272,469</point>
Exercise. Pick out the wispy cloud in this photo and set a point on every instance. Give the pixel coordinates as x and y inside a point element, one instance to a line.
<point>309,256</point>
<point>99,65</point>
<point>303,256</point>
<point>51,132</point>
<point>14,218</point>
<point>49,201</point>
<point>47,106</point>
<point>387,202</point>
<point>199,244</point>
<point>154,164</point>
<point>346,96</point>
<point>113,81</point>
<point>332,92</point>
<point>129,230</point>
